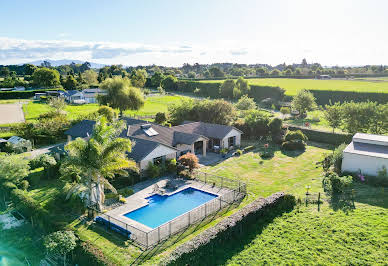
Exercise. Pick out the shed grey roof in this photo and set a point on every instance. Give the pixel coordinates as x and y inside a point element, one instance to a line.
<point>370,138</point>
<point>206,129</point>
<point>82,129</point>
<point>367,149</point>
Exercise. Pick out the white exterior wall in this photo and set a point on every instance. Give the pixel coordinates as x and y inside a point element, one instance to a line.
<point>157,152</point>
<point>232,133</point>
<point>367,164</point>
<point>90,99</point>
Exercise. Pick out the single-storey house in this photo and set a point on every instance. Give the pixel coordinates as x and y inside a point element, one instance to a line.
<point>155,143</point>
<point>90,95</point>
<point>366,153</point>
<point>74,96</point>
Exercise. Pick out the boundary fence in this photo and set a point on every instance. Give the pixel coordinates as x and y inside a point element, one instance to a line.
<point>236,190</point>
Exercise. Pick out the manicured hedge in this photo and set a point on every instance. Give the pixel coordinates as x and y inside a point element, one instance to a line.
<point>211,89</point>
<point>325,96</point>
<point>198,250</point>
<point>22,94</point>
<point>324,136</point>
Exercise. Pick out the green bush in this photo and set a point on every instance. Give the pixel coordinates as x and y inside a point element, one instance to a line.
<point>333,183</point>
<point>22,94</point>
<point>238,152</point>
<point>171,165</point>
<point>152,170</point>
<point>293,145</point>
<point>88,254</point>
<point>275,126</point>
<point>295,135</point>
<point>324,97</point>
<point>125,192</point>
<point>160,117</point>
<point>324,136</point>
<point>24,185</point>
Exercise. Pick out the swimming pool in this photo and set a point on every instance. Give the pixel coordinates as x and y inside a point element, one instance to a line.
<point>163,208</point>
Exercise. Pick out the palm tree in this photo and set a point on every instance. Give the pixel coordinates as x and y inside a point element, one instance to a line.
<point>92,162</point>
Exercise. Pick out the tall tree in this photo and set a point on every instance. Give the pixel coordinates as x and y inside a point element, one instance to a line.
<point>46,77</point>
<point>90,77</point>
<point>121,95</point>
<point>70,83</point>
<point>304,101</point>
<point>243,86</point>
<point>156,79</point>
<point>97,160</point>
<point>138,78</point>
<point>226,88</point>
<point>333,115</point>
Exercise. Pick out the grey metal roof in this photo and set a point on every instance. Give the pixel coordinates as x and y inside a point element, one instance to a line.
<point>370,138</point>
<point>82,129</point>
<point>141,148</point>
<point>367,149</point>
<point>205,129</point>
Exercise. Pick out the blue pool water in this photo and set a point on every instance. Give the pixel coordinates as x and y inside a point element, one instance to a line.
<point>162,209</point>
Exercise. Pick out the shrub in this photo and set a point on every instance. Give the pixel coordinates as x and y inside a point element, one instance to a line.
<point>171,165</point>
<point>152,170</point>
<point>224,151</point>
<point>238,152</point>
<point>333,183</point>
<point>267,102</point>
<point>189,161</point>
<point>293,145</point>
<point>275,126</point>
<point>285,110</point>
<point>88,254</point>
<point>246,103</point>
<point>295,135</point>
<point>160,117</point>
<point>107,112</point>
<point>125,192</point>
<point>337,158</point>
<point>324,136</point>
<point>24,185</point>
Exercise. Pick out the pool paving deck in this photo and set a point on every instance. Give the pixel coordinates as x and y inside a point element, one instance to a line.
<point>147,188</point>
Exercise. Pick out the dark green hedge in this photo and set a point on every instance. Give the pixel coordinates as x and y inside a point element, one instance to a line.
<point>211,89</point>
<point>198,251</point>
<point>324,136</point>
<point>324,97</point>
<point>88,254</point>
<point>22,94</point>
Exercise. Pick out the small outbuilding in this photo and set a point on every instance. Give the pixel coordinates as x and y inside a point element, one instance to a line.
<point>366,153</point>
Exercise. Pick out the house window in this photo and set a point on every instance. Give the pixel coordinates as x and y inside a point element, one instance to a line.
<point>159,160</point>
<point>231,141</point>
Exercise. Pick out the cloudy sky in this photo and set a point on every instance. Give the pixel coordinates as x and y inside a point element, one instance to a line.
<point>173,32</point>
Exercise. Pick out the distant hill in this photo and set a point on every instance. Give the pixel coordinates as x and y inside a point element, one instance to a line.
<point>64,62</point>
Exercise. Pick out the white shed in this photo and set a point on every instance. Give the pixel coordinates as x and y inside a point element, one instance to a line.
<point>366,153</point>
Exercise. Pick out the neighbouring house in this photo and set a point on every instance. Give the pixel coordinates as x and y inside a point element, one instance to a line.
<point>90,95</point>
<point>366,153</point>
<point>74,96</point>
<point>18,144</point>
<point>155,143</point>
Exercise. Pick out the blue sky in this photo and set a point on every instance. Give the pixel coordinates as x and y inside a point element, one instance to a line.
<point>172,32</point>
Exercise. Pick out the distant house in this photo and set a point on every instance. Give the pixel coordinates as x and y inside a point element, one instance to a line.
<point>366,153</point>
<point>324,77</point>
<point>74,96</point>
<point>19,145</point>
<point>155,144</point>
<point>90,95</point>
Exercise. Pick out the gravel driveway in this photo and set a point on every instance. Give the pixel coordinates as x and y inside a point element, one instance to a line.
<point>11,113</point>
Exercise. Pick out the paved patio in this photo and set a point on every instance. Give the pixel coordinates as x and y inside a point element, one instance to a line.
<point>210,158</point>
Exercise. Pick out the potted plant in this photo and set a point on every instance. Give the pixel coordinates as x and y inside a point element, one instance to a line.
<point>223,152</point>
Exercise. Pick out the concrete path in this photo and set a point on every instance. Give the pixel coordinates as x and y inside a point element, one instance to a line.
<point>11,113</point>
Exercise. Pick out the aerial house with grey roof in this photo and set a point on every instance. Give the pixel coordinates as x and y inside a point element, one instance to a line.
<point>366,153</point>
<point>155,143</point>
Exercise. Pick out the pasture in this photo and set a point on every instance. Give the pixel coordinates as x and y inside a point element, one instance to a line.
<point>292,86</point>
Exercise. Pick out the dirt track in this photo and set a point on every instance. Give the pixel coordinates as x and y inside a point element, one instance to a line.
<point>11,113</point>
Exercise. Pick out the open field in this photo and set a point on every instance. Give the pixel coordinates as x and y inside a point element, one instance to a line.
<point>152,105</point>
<point>292,86</point>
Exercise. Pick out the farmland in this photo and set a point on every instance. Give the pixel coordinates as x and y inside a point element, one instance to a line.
<point>292,86</point>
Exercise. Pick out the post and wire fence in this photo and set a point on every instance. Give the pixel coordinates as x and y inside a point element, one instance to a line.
<point>231,191</point>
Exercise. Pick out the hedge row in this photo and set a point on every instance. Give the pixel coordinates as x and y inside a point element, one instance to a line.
<point>211,89</point>
<point>199,249</point>
<point>325,96</point>
<point>88,254</point>
<point>324,136</point>
<point>22,94</point>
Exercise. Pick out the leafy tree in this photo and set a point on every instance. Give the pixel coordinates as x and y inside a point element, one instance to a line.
<point>170,83</point>
<point>80,79</point>
<point>191,75</point>
<point>138,78</point>
<point>236,93</point>
<point>90,77</point>
<point>46,77</point>
<point>97,160</point>
<point>61,243</point>
<point>226,88</point>
<point>26,130</point>
<point>29,69</point>
<point>257,122</point>
<point>243,86</point>
<point>107,112</point>
<point>275,72</point>
<point>215,72</point>
<point>285,111</point>
<point>189,160</point>
<point>13,168</point>
<point>287,72</point>
<point>333,115</point>
<point>360,117</point>
<point>261,71</point>
<point>160,118</point>
<point>58,104</point>
<point>121,95</point>
<point>275,126</point>
<point>246,103</point>
<point>4,71</point>
<point>156,79</point>
<point>304,101</point>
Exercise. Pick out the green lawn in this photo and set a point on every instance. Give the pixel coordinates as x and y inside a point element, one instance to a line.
<point>152,105</point>
<point>292,86</point>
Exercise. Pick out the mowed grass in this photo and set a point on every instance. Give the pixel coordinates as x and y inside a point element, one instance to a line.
<point>152,105</point>
<point>292,86</point>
